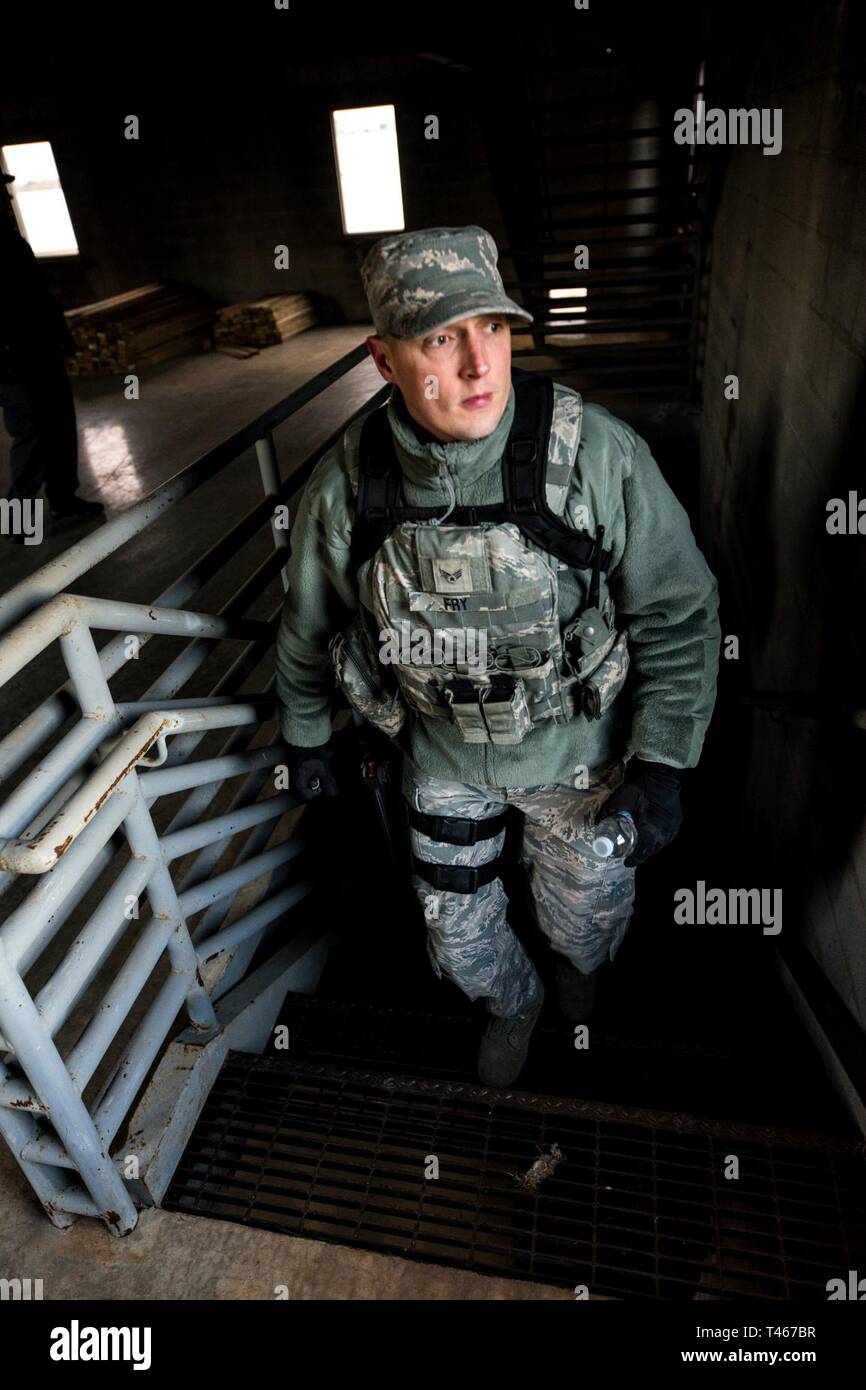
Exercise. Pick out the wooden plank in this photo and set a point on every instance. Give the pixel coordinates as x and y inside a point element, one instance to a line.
<point>231,351</point>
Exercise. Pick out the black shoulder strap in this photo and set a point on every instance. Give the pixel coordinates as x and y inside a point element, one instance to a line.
<point>524,477</point>
<point>379,487</point>
<point>379,504</point>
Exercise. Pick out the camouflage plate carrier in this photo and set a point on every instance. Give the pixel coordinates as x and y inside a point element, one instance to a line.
<point>488,572</point>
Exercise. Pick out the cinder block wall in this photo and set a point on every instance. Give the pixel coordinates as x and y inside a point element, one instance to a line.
<point>787,315</point>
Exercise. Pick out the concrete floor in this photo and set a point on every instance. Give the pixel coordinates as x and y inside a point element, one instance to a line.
<point>127,448</point>
<point>171,1256</point>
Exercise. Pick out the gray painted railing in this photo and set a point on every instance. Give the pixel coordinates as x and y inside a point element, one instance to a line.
<point>86,807</point>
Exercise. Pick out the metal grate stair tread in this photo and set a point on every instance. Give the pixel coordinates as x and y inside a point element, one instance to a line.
<point>636,1204</point>
<point>663,1071</point>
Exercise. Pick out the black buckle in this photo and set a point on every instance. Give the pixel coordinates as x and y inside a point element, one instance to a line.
<point>456,878</point>
<point>452,878</point>
<point>524,451</point>
<point>462,878</point>
<point>457,830</point>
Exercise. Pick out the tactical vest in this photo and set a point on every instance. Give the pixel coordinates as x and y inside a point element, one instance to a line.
<point>465,610</point>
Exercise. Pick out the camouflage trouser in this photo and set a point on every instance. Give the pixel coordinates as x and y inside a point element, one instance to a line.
<point>582,903</point>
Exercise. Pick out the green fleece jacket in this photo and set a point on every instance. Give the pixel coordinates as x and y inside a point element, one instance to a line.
<point>666,598</point>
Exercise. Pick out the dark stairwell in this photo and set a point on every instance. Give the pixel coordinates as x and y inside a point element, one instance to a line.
<point>696,1056</point>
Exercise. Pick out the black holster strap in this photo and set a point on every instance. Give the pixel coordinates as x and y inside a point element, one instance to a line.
<point>456,878</point>
<point>456,830</point>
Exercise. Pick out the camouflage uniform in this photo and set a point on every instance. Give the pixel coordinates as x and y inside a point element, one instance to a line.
<point>582,903</point>
<point>599,472</point>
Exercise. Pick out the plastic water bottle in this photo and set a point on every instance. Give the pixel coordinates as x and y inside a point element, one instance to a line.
<point>615,836</point>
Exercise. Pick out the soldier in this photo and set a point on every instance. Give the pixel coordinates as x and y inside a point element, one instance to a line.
<point>480,497</point>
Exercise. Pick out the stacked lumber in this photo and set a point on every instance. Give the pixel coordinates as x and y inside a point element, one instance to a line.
<point>264,321</point>
<point>229,350</point>
<point>138,329</point>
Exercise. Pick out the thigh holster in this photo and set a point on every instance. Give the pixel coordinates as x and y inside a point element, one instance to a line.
<point>456,830</point>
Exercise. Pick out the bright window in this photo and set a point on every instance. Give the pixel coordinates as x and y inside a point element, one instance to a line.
<point>579,292</point>
<point>368,169</point>
<point>40,207</point>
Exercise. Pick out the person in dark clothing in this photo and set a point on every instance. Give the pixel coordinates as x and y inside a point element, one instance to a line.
<point>35,394</point>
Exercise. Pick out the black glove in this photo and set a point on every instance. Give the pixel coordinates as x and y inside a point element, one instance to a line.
<point>651,792</point>
<point>311,773</point>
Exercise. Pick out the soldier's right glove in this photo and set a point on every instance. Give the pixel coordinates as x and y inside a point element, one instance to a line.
<point>311,772</point>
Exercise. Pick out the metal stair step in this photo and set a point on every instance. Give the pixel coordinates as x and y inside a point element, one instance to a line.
<point>626,1202</point>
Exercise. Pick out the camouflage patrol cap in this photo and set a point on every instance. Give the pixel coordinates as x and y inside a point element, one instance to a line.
<point>419,281</point>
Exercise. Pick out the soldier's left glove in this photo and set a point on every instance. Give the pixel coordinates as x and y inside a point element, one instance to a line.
<point>651,793</point>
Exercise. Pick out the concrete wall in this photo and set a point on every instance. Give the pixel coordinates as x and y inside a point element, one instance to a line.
<point>234,160</point>
<point>788,316</point>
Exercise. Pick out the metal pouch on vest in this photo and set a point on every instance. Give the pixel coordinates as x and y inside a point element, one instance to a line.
<point>359,675</point>
<point>491,709</point>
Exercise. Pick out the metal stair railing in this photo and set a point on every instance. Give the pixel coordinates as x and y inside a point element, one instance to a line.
<point>87,806</point>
